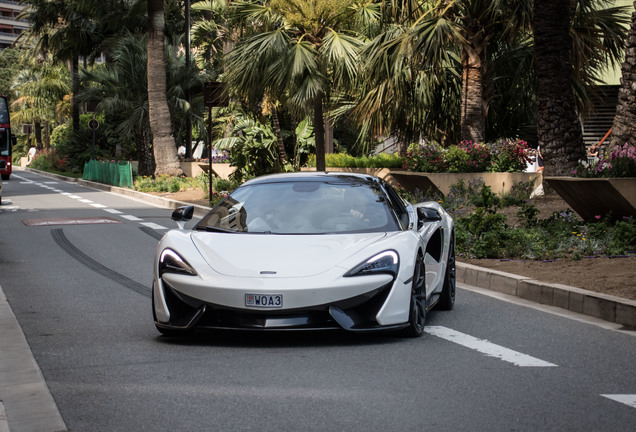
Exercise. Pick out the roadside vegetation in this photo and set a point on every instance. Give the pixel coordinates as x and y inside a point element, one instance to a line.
<point>449,86</point>
<point>483,231</point>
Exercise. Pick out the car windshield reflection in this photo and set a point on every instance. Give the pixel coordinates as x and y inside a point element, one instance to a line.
<point>302,207</point>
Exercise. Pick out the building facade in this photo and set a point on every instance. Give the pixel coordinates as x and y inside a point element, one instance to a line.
<point>10,27</point>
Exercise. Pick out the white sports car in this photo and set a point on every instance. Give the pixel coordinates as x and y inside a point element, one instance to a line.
<point>306,251</point>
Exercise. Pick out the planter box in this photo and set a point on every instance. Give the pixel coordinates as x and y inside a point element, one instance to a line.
<point>194,169</point>
<point>591,197</point>
<point>500,183</point>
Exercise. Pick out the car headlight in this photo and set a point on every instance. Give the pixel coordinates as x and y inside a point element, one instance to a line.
<point>171,262</point>
<point>384,262</point>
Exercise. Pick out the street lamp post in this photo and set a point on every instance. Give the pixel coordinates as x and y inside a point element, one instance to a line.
<point>187,62</point>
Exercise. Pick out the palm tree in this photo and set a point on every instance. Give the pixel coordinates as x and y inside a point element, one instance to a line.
<point>422,49</point>
<point>67,29</point>
<point>39,87</point>
<point>623,129</point>
<point>558,126</point>
<point>119,87</point>
<point>164,146</point>
<point>298,53</point>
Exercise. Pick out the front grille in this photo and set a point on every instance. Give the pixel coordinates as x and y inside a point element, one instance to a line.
<point>361,310</point>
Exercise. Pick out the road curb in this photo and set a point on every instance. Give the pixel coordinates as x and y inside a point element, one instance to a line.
<point>199,211</point>
<point>602,306</point>
<point>26,402</point>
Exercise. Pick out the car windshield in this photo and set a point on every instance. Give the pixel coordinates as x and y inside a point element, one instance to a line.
<point>303,207</point>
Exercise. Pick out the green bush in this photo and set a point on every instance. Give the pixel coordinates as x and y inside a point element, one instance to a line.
<point>49,160</point>
<point>505,155</point>
<point>509,155</point>
<point>428,157</point>
<point>456,159</point>
<point>343,160</point>
<point>482,232</point>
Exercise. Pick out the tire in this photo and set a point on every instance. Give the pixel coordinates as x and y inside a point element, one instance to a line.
<point>6,176</point>
<point>417,308</point>
<point>447,297</point>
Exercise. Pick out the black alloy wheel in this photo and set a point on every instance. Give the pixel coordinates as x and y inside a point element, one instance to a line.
<point>417,314</point>
<point>447,297</point>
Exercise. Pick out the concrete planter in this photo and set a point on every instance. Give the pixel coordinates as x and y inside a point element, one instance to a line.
<point>500,183</point>
<point>591,197</point>
<point>194,169</point>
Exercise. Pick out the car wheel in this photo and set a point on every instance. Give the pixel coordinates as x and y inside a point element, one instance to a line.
<point>447,297</point>
<point>417,311</point>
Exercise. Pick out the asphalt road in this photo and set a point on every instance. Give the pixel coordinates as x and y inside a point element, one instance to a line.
<point>81,294</point>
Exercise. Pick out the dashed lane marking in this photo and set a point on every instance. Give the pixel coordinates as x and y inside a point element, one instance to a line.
<point>627,399</point>
<point>486,347</point>
<point>131,218</point>
<point>153,226</point>
<point>46,184</point>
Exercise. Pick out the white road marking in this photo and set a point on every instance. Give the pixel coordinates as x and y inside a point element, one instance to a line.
<point>488,348</point>
<point>153,225</point>
<point>131,217</point>
<point>627,399</point>
<point>83,200</point>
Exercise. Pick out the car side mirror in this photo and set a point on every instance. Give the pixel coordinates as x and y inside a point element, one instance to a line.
<point>182,215</point>
<point>14,141</point>
<point>425,214</point>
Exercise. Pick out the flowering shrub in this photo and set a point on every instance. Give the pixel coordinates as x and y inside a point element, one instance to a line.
<point>428,157</point>
<point>505,155</point>
<point>49,160</point>
<point>509,155</point>
<point>468,156</point>
<point>620,163</point>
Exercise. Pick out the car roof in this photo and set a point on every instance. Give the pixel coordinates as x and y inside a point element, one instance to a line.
<point>322,176</point>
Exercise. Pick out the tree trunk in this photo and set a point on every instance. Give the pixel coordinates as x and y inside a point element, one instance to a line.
<point>144,154</point>
<point>558,125</point>
<point>282,154</point>
<point>37,128</point>
<point>472,118</point>
<point>624,127</point>
<point>164,147</point>
<point>319,132</point>
<point>75,109</point>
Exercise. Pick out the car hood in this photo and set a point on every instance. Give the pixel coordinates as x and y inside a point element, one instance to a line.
<point>262,255</point>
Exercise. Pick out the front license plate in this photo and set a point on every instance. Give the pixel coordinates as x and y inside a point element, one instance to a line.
<point>269,301</point>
